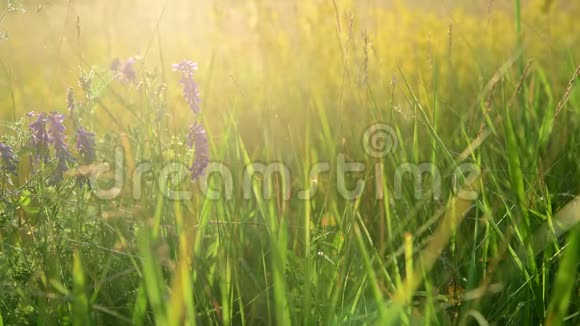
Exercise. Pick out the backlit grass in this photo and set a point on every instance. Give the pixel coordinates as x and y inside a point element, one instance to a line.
<point>492,84</point>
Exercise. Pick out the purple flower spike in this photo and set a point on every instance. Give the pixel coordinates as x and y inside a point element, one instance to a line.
<point>40,139</point>
<point>58,140</point>
<point>48,129</point>
<point>186,67</point>
<point>56,131</point>
<point>197,138</point>
<point>125,71</point>
<point>86,145</point>
<point>190,90</point>
<point>8,158</point>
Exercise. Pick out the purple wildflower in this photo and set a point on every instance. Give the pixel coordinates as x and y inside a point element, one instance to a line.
<point>197,138</point>
<point>86,145</point>
<point>190,90</point>
<point>125,71</point>
<point>40,139</point>
<point>8,158</point>
<point>58,140</point>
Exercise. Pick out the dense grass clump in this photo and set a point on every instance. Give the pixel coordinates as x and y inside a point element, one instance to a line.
<point>322,162</point>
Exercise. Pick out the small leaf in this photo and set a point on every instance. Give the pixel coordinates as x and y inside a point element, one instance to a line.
<point>25,198</point>
<point>28,203</point>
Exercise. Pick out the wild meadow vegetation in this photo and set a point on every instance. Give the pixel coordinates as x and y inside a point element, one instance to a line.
<point>289,162</point>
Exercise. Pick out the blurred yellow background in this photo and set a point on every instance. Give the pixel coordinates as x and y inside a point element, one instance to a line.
<point>278,56</point>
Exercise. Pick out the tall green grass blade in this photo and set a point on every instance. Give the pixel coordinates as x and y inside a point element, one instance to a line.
<point>565,282</point>
<point>81,301</point>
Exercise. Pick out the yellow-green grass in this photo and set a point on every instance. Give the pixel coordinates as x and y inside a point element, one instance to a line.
<point>492,83</point>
